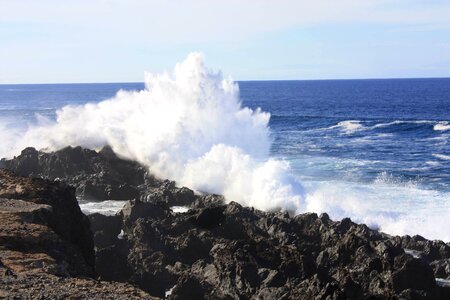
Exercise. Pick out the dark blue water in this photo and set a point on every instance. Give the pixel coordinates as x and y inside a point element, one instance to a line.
<point>397,128</point>
<point>371,149</point>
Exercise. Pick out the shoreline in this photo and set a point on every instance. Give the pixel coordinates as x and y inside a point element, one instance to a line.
<point>224,249</point>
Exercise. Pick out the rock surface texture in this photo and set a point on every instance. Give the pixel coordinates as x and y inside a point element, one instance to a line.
<point>214,250</point>
<point>46,245</point>
<point>95,175</point>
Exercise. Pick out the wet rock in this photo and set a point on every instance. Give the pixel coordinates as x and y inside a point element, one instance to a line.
<point>95,175</point>
<point>219,250</point>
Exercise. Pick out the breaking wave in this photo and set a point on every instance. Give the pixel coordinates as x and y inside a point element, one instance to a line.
<point>352,126</point>
<point>189,126</point>
<point>348,126</point>
<point>442,126</point>
<point>441,156</point>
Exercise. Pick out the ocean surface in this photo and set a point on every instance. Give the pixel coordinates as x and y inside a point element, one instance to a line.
<point>373,149</point>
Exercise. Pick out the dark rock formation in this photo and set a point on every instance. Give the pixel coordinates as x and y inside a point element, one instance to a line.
<point>51,204</point>
<point>46,245</point>
<point>95,175</point>
<point>232,252</point>
<point>214,250</point>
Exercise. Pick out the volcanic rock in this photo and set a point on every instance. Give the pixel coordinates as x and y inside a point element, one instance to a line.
<point>95,175</point>
<point>46,245</point>
<point>217,250</point>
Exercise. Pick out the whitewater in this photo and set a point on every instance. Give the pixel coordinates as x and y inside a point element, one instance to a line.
<point>191,126</point>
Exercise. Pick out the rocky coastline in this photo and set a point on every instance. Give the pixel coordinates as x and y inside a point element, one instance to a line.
<point>210,249</point>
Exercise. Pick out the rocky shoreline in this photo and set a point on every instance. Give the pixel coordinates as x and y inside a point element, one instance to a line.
<point>209,250</point>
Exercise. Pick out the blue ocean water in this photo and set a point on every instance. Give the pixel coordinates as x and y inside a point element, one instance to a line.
<point>362,130</point>
<point>376,148</point>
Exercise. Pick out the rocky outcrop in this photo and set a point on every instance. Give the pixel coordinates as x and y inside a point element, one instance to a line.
<point>53,205</point>
<point>210,249</point>
<point>46,246</point>
<point>227,251</point>
<point>95,175</point>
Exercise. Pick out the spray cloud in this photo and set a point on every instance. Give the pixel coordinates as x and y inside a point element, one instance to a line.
<point>189,127</point>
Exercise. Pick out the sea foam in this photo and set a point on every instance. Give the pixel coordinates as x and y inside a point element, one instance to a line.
<point>348,126</point>
<point>188,126</point>
<point>442,126</point>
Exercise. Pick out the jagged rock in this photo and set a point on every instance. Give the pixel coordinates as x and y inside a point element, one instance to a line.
<point>105,229</point>
<point>412,273</point>
<point>136,209</point>
<point>45,243</point>
<point>441,268</point>
<point>96,176</point>
<point>209,217</point>
<point>226,251</point>
<point>187,288</point>
<point>62,214</point>
<point>231,252</point>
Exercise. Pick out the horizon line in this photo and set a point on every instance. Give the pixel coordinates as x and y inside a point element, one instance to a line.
<point>245,80</point>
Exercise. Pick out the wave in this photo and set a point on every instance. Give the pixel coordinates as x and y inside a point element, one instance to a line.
<point>399,122</point>
<point>352,126</point>
<point>108,207</point>
<point>348,126</point>
<point>441,156</point>
<point>442,126</point>
<point>188,126</point>
<point>433,163</point>
<point>394,209</point>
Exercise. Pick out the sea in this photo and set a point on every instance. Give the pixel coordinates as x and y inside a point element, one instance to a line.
<point>375,150</point>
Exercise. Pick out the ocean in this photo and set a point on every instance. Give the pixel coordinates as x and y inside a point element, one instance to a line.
<point>377,151</point>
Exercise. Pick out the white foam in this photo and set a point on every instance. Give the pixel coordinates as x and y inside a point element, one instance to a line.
<point>442,126</point>
<point>169,292</point>
<point>398,122</point>
<point>108,207</point>
<point>441,156</point>
<point>433,163</point>
<point>413,253</point>
<point>443,282</point>
<point>387,179</point>
<point>391,208</point>
<point>179,209</point>
<point>348,126</point>
<point>189,127</point>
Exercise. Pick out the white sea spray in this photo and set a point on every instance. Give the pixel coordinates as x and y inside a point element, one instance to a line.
<point>188,126</point>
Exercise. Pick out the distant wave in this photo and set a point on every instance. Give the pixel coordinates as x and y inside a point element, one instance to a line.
<point>442,126</point>
<point>349,126</point>
<point>441,156</point>
<point>399,122</point>
<point>433,163</point>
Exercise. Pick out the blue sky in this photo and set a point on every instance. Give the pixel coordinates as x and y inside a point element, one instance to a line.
<point>114,41</point>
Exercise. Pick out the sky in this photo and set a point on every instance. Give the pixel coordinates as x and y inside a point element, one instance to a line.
<point>54,41</point>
